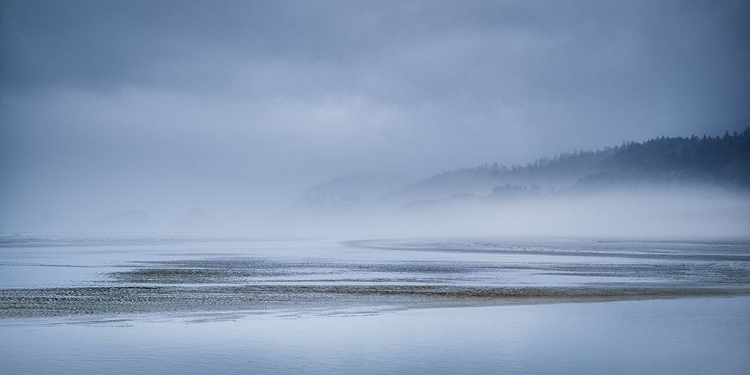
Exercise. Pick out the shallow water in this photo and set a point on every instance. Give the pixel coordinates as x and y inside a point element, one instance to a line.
<point>126,275</point>
<point>684,336</point>
<point>189,305</point>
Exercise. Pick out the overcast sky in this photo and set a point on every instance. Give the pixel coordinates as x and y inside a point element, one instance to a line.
<point>113,105</point>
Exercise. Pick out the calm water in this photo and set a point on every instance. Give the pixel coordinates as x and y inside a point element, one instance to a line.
<point>96,305</point>
<point>685,336</point>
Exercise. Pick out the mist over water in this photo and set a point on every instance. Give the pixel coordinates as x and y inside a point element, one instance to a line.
<point>411,186</point>
<point>239,109</point>
<point>643,212</point>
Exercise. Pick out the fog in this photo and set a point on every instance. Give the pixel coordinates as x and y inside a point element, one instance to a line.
<point>301,118</point>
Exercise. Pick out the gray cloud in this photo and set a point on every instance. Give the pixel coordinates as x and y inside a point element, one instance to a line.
<point>143,99</point>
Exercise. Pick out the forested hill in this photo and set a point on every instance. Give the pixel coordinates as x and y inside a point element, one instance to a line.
<point>723,161</point>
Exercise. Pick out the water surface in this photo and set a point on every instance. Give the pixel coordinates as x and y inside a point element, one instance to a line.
<point>195,305</point>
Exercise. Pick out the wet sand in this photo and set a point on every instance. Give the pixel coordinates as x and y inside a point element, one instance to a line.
<point>368,276</point>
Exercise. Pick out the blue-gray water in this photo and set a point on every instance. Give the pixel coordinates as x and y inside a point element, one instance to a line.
<point>684,336</point>
<point>96,305</point>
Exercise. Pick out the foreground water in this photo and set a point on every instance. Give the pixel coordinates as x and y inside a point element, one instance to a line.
<point>153,304</point>
<point>684,336</point>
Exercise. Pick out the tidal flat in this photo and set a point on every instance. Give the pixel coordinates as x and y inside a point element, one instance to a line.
<point>195,305</point>
<point>100,277</point>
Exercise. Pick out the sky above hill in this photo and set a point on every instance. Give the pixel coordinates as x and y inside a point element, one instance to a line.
<point>239,105</point>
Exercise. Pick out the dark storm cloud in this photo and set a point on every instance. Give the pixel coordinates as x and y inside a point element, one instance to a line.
<point>230,96</point>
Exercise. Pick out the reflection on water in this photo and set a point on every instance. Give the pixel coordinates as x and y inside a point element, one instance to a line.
<point>686,336</point>
<point>100,276</point>
<point>205,305</point>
